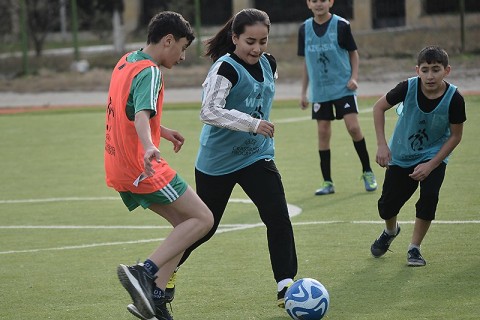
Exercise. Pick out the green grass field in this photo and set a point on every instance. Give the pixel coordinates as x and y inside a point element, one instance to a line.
<point>63,232</point>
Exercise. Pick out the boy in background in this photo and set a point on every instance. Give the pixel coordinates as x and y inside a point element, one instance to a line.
<point>429,127</point>
<point>330,73</point>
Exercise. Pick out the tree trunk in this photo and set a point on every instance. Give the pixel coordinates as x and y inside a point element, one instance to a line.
<point>118,32</point>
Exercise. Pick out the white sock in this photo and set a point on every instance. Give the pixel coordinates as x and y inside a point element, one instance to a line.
<point>411,246</point>
<point>283,283</point>
<point>392,232</point>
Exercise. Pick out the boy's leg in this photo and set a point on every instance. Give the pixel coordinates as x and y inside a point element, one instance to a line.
<point>324,131</point>
<point>420,229</point>
<point>323,113</point>
<point>398,187</point>
<point>350,117</point>
<point>191,220</point>
<point>426,207</point>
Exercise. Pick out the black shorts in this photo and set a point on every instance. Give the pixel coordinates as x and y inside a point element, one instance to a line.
<point>398,188</point>
<point>343,106</point>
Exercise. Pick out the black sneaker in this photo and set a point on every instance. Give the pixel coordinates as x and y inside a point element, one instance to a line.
<point>161,311</point>
<point>415,259</point>
<point>381,245</point>
<point>139,283</point>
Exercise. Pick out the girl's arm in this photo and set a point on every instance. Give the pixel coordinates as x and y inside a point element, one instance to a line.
<point>213,112</point>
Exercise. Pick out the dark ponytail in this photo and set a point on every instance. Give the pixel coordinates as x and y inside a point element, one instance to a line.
<point>222,43</point>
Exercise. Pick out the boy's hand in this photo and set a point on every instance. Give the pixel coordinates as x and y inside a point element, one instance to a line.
<point>304,102</point>
<point>352,84</point>
<point>421,172</point>
<point>150,155</point>
<point>174,137</point>
<point>383,156</point>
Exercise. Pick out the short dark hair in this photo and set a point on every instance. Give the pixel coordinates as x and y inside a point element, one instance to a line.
<point>433,54</point>
<point>169,22</point>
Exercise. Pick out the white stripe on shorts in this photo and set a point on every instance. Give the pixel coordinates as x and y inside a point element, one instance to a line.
<point>169,192</point>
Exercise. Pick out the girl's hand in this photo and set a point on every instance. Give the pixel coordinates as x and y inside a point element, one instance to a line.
<point>266,128</point>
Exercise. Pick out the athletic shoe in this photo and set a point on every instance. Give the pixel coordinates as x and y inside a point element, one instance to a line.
<point>161,311</point>
<point>369,181</point>
<point>139,283</point>
<point>327,188</point>
<point>415,259</point>
<point>281,295</point>
<point>133,310</point>
<point>381,245</point>
<point>170,289</point>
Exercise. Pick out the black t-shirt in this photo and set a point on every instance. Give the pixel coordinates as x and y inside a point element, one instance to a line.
<point>344,35</point>
<point>228,71</point>
<point>456,109</point>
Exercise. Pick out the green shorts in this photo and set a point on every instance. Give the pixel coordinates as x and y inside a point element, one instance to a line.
<point>168,194</point>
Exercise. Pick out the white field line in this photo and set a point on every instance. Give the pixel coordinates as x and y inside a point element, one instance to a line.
<point>298,119</point>
<point>58,200</point>
<point>293,211</point>
<point>222,229</point>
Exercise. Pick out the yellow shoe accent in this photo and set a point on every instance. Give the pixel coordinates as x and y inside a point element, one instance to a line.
<point>281,296</point>
<point>171,281</point>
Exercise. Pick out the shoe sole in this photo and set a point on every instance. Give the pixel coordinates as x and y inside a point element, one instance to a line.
<point>131,284</point>
<point>375,255</point>
<point>133,310</point>
<point>324,194</point>
<point>416,264</point>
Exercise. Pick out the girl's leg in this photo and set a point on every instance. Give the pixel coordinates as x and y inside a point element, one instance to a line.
<point>262,183</point>
<point>215,192</point>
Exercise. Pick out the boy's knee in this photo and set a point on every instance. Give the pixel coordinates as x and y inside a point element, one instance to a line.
<point>208,221</point>
<point>426,207</point>
<point>355,132</point>
<point>386,211</point>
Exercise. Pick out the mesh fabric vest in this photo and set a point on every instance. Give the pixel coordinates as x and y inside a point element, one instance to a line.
<point>123,150</point>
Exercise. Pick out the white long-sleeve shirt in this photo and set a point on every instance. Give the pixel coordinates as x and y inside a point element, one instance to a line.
<point>215,91</point>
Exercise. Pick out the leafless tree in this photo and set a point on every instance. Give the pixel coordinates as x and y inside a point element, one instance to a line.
<point>42,16</point>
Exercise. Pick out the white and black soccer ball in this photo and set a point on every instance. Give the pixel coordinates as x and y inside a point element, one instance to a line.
<point>307,299</point>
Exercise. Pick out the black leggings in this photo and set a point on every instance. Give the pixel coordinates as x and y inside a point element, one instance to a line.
<point>262,182</point>
<point>398,188</point>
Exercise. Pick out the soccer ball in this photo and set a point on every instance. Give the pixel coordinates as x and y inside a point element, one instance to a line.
<point>307,299</point>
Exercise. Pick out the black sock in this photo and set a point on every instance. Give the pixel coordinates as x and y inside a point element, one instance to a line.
<point>361,148</point>
<point>158,293</point>
<point>150,266</point>
<point>325,164</point>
